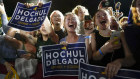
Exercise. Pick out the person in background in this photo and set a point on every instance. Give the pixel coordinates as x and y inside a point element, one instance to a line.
<point>71,23</point>
<point>123,22</point>
<point>132,32</point>
<point>114,25</point>
<point>57,20</point>
<point>32,36</point>
<point>112,53</point>
<point>13,43</point>
<point>81,11</point>
<point>47,36</point>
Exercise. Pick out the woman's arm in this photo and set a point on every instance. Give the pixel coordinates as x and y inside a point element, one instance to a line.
<point>128,60</point>
<point>4,62</point>
<point>113,67</point>
<point>6,29</point>
<point>88,46</point>
<point>108,47</point>
<point>4,19</point>
<point>95,53</point>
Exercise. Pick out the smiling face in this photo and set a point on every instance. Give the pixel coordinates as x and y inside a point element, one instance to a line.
<point>56,18</point>
<point>70,22</point>
<point>102,19</point>
<point>46,28</point>
<point>43,30</point>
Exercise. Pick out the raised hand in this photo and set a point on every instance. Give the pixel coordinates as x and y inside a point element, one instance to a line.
<point>28,5</point>
<point>110,46</point>
<point>2,9</point>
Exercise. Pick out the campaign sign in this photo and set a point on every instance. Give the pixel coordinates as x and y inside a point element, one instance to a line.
<point>29,19</point>
<point>87,71</point>
<point>59,60</point>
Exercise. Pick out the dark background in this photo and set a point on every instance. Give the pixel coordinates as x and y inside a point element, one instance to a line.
<point>67,5</point>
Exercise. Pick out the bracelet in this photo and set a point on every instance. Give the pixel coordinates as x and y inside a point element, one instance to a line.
<point>101,52</point>
<point>87,36</point>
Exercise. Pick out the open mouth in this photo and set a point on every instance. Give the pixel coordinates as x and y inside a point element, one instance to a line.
<point>103,22</point>
<point>57,20</point>
<point>43,30</point>
<point>114,26</point>
<point>71,25</point>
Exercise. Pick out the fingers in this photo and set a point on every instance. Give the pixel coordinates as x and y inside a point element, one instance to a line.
<point>108,71</point>
<point>26,56</point>
<point>115,43</point>
<point>40,4</point>
<point>114,40</point>
<point>64,43</point>
<point>100,5</point>
<point>111,70</point>
<point>31,4</point>
<point>28,5</point>
<point>116,70</point>
<point>8,66</point>
<point>116,46</point>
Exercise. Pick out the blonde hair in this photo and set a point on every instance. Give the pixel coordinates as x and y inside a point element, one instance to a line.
<point>75,10</point>
<point>77,20</point>
<point>123,18</point>
<point>134,12</point>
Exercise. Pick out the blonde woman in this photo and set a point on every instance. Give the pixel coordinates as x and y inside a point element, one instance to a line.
<point>81,11</point>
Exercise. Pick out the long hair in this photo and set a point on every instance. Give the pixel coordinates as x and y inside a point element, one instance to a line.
<point>94,18</point>
<point>134,13</point>
<point>77,20</point>
<point>75,10</point>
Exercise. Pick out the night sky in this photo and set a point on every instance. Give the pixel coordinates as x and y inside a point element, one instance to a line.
<point>67,5</point>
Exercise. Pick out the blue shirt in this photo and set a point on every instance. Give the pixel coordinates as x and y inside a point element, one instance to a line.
<point>80,39</point>
<point>6,51</point>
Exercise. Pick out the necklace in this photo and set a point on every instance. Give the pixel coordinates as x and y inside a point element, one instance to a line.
<point>108,35</point>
